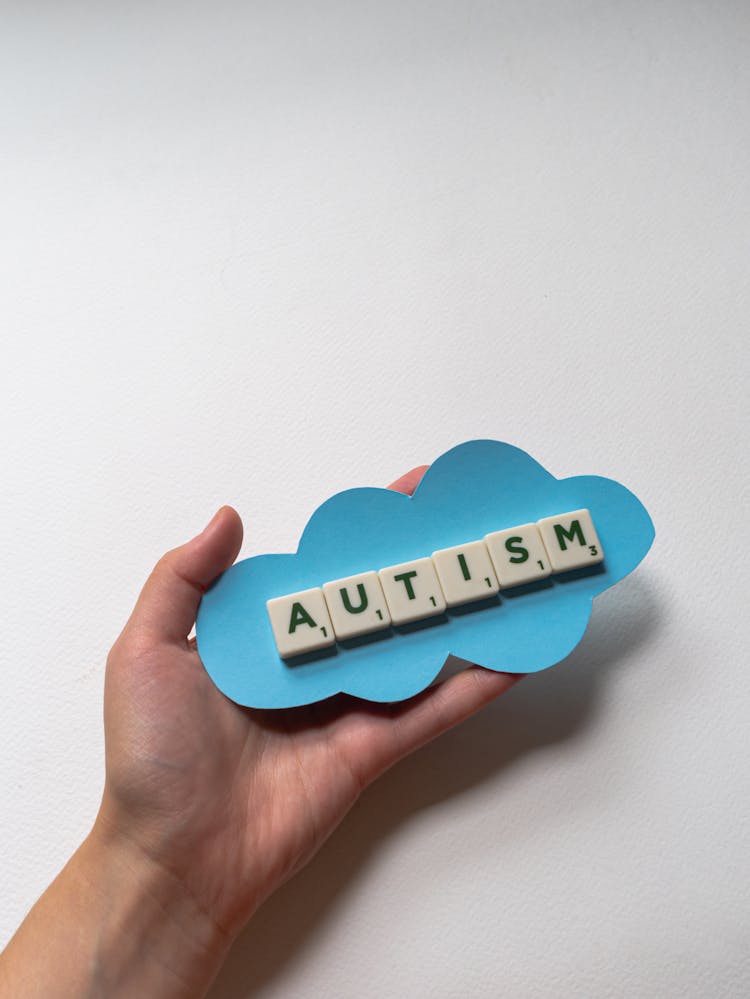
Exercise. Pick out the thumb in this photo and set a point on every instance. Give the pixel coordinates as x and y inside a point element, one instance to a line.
<point>168,603</point>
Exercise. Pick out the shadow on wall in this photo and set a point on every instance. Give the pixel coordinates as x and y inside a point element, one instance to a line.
<point>548,708</point>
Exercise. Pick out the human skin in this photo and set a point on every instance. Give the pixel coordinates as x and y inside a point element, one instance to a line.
<point>207,807</point>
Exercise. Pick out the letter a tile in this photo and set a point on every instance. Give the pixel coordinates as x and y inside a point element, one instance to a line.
<point>300,622</point>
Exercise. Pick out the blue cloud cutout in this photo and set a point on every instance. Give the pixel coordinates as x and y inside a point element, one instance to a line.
<point>471,490</point>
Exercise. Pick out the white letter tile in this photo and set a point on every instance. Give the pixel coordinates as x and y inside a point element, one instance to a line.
<point>571,540</point>
<point>465,573</point>
<point>357,605</point>
<point>300,622</point>
<point>412,590</point>
<point>518,555</point>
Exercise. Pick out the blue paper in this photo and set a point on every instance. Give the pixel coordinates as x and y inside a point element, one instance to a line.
<point>471,490</point>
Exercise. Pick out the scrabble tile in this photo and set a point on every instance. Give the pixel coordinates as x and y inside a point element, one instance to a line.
<point>412,590</point>
<point>571,540</point>
<point>465,573</point>
<point>300,622</point>
<point>518,555</point>
<point>357,605</point>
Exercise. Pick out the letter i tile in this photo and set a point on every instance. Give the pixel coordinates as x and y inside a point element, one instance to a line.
<point>465,573</point>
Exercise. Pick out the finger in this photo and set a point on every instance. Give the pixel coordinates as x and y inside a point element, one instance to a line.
<point>374,738</point>
<point>447,704</point>
<point>409,482</point>
<point>168,603</point>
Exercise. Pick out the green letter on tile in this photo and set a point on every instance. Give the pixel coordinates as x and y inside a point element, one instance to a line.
<point>464,567</point>
<point>406,578</point>
<point>347,602</point>
<point>574,532</point>
<point>520,554</point>
<point>299,616</point>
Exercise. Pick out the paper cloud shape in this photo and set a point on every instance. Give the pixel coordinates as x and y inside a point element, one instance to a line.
<point>476,488</point>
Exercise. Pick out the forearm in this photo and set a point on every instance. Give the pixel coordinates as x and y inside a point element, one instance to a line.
<point>112,924</point>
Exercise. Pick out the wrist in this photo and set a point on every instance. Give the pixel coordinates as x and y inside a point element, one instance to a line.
<point>149,928</point>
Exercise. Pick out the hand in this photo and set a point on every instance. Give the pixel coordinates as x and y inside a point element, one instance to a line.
<point>210,806</point>
<point>233,801</point>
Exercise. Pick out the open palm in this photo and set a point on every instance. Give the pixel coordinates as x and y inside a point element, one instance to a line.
<point>232,801</point>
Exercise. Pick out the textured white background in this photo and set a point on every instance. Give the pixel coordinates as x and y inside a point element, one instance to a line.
<point>260,252</point>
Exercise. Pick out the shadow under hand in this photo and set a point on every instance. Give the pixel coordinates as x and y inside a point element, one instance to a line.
<point>550,707</point>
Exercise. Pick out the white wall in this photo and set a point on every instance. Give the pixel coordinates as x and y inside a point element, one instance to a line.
<point>260,252</point>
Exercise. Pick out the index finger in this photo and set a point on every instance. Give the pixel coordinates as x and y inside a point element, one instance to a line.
<point>409,482</point>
